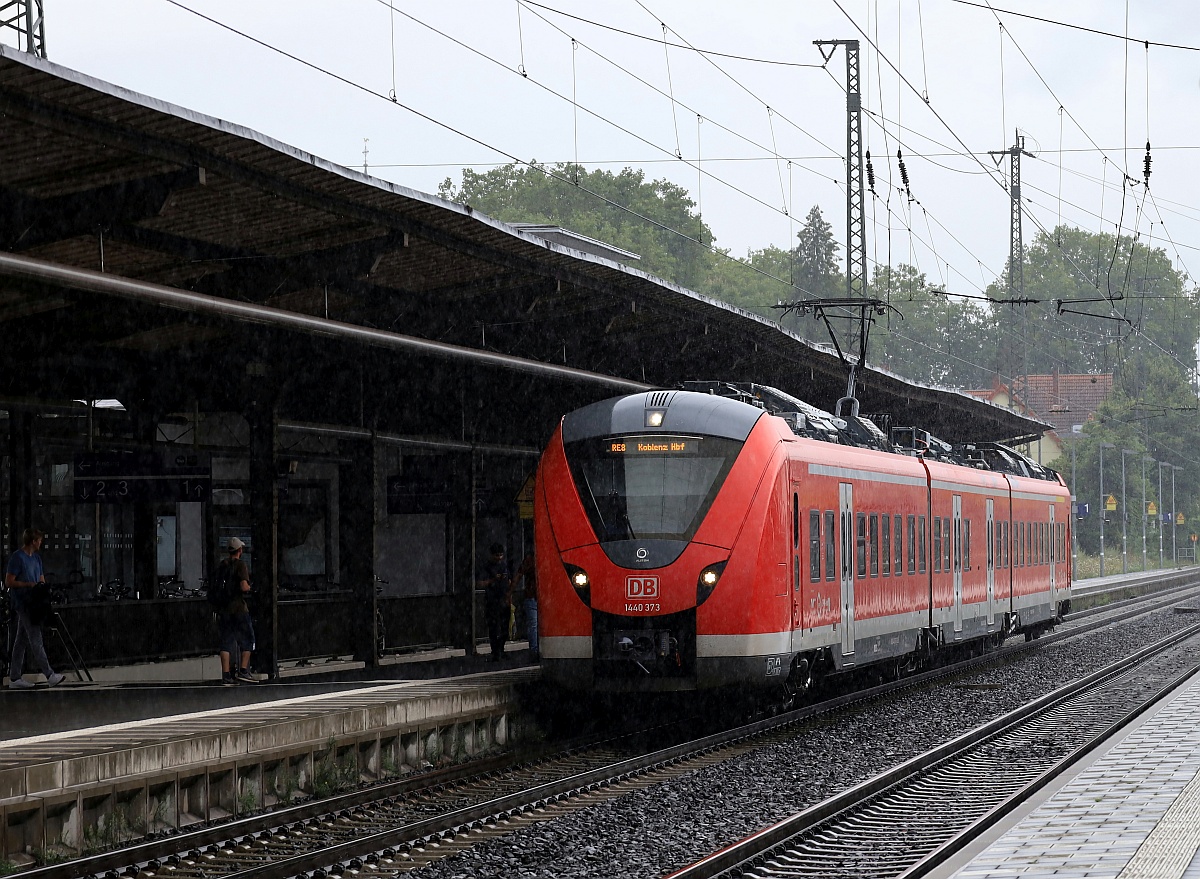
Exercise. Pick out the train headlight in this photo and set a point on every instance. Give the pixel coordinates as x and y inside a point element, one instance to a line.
<point>581,582</point>
<point>708,580</point>
<point>654,417</point>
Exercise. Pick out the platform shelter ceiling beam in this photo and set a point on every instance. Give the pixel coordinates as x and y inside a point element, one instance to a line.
<point>26,222</point>
<point>169,297</point>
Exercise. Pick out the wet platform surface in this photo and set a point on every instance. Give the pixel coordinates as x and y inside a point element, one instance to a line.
<point>75,705</point>
<point>1131,812</point>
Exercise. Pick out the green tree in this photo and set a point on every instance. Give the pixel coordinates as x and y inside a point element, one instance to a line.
<point>1159,421</point>
<point>927,335</point>
<point>815,258</point>
<point>654,219</point>
<point>1099,304</point>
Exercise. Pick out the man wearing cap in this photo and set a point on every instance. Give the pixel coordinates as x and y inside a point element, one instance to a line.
<point>234,626</point>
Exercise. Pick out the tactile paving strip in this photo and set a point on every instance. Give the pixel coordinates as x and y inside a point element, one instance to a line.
<point>1134,813</point>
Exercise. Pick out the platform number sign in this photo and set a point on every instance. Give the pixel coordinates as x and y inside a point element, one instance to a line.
<point>138,477</point>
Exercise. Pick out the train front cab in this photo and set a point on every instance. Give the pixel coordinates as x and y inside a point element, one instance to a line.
<point>638,593</point>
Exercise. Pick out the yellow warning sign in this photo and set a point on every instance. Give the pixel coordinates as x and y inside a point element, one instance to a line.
<point>1151,509</point>
<point>1179,518</point>
<point>1110,503</point>
<point>525,498</point>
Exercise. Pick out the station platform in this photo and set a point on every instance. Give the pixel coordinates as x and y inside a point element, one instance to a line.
<point>1130,811</point>
<point>163,756</point>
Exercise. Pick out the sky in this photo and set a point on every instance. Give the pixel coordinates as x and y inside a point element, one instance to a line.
<point>758,139</point>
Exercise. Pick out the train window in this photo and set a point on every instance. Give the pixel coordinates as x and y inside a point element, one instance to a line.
<point>912,544</point>
<point>644,488</point>
<point>958,549</point>
<point>898,544</point>
<point>1022,544</point>
<point>885,531</point>
<point>814,545</point>
<point>1006,546</point>
<point>921,544</point>
<point>991,545</point>
<point>861,546</point>
<point>874,544</point>
<point>966,526</point>
<point>795,521</point>
<point>830,546</point>
<point>946,545</point>
<point>937,544</point>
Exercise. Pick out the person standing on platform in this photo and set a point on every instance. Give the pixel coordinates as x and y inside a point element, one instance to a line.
<point>235,629</point>
<point>23,577</point>
<point>527,575</point>
<point>496,584</point>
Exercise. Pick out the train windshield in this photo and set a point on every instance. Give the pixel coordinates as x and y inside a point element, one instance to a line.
<point>641,487</point>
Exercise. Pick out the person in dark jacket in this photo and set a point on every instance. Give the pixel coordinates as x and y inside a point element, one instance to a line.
<point>527,577</point>
<point>235,629</point>
<point>494,580</point>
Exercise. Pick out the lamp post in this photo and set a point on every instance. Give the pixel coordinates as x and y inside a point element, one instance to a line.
<point>1103,509</point>
<point>1160,514</point>
<point>1174,516</point>
<point>1124,514</point>
<point>1075,512</point>
<point>1145,458</point>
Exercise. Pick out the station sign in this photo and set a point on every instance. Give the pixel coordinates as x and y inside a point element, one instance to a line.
<point>422,486</point>
<point>127,477</point>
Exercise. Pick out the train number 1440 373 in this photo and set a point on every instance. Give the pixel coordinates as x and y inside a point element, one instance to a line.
<point>643,607</point>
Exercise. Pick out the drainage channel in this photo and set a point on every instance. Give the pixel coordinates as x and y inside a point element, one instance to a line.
<point>909,820</point>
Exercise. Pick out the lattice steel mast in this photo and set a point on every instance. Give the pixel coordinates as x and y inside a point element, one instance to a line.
<point>1016,247</point>
<point>28,19</point>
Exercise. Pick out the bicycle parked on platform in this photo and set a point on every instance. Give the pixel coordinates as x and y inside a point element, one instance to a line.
<point>113,590</point>
<point>173,587</point>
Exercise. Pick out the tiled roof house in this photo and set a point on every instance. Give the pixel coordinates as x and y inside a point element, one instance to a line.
<point>1063,400</point>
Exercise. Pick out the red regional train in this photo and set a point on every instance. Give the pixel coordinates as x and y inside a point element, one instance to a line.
<point>730,535</point>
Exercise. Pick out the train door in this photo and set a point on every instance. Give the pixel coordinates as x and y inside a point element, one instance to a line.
<point>991,562</point>
<point>1053,558</point>
<point>957,568</point>
<point>846,531</point>
<point>814,554</point>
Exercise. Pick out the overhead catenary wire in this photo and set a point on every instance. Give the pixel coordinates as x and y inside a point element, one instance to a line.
<point>590,112</point>
<point>515,159</point>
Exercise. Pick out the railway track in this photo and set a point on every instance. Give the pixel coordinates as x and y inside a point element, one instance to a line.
<point>909,820</point>
<point>392,829</point>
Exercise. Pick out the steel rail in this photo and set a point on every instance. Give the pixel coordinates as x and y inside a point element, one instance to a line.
<point>753,851</point>
<point>27,268</point>
<point>445,825</point>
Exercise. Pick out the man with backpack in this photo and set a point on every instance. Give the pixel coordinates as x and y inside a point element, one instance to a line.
<point>235,630</point>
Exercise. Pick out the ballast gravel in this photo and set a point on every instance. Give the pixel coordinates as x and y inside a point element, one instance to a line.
<point>662,828</point>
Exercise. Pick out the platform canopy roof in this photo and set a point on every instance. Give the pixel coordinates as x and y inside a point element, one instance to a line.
<point>175,262</point>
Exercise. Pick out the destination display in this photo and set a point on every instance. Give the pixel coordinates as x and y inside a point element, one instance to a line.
<point>653,445</point>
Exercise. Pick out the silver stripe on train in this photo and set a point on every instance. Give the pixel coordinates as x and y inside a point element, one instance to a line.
<point>815,469</point>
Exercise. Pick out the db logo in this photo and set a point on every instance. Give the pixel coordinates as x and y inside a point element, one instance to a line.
<point>641,587</point>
